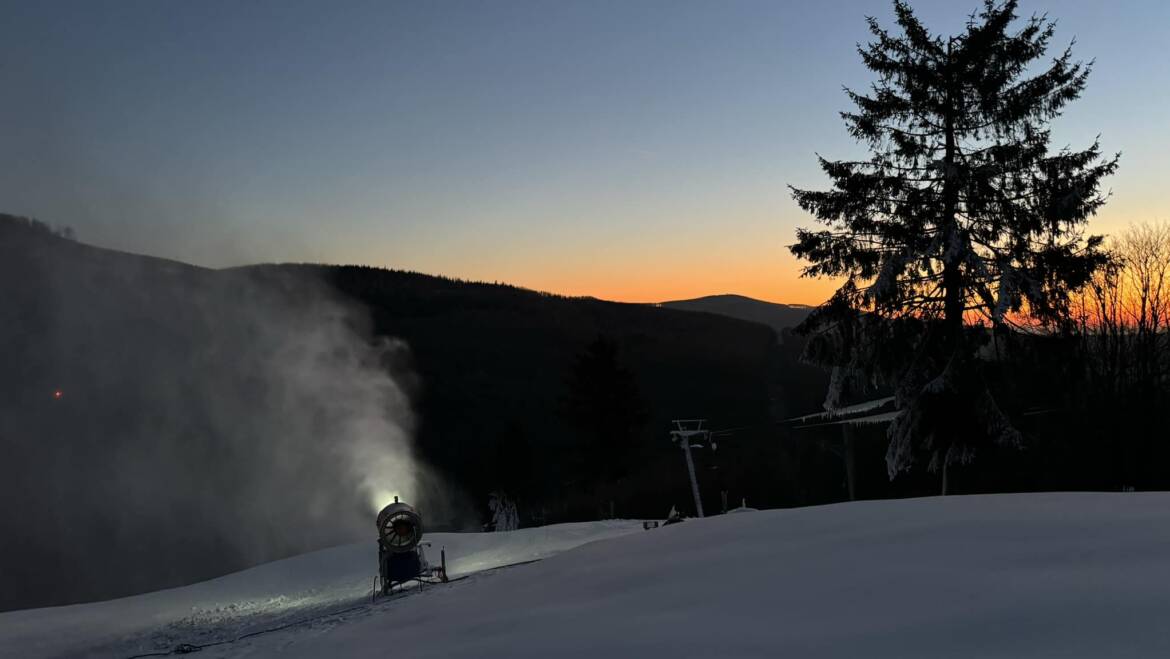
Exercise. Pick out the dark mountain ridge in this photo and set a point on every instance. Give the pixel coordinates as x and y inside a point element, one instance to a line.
<point>778,316</point>
<point>164,409</point>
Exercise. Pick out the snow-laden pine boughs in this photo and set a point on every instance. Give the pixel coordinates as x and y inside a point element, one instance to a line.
<point>962,211</point>
<point>505,516</point>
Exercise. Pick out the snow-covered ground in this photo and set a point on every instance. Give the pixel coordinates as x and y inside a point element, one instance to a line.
<point>1039,575</point>
<point>277,593</point>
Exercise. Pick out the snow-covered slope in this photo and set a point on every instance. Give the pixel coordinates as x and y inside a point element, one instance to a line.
<point>1047,575</point>
<point>269,595</point>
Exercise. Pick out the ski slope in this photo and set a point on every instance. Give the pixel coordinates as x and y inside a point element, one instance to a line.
<point>1038,575</point>
<point>269,595</point>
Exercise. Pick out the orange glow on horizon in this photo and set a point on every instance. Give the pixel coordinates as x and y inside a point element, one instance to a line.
<point>746,256</point>
<point>667,283</point>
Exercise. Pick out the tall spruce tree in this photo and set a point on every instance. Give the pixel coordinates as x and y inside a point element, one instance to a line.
<point>605,403</point>
<point>963,214</point>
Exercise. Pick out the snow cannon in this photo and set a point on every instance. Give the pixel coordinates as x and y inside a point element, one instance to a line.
<point>400,550</point>
<point>400,527</point>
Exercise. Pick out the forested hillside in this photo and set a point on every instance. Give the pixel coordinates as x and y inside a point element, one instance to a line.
<point>216,411</point>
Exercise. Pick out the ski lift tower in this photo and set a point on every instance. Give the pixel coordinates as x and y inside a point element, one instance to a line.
<point>689,433</point>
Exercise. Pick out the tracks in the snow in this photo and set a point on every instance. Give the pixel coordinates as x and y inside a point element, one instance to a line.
<point>326,615</point>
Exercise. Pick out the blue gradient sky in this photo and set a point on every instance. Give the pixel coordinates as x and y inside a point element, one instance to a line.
<point>628,150</point>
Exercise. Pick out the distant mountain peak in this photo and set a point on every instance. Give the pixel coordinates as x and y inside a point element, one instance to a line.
<point>773,314</point>
<point>734,297</point>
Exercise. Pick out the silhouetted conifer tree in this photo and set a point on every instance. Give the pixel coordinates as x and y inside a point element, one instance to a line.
<point>605,403</point>
<point>962,212</point>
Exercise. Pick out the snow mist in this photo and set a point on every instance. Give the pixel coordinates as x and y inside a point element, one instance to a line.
<point>168,423</point>
<point>331,407</point>
<point>340,393</point>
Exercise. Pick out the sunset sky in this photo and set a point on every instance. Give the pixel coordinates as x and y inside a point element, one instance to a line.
<point>627,150</point>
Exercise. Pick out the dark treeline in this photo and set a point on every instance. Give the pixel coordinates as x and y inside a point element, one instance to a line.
<point>1092,406</point>
<point>564,404</point>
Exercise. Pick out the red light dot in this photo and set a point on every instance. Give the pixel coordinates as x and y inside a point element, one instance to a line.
<point>58,394</point>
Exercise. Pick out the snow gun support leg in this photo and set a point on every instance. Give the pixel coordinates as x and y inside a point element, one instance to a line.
<point>442,571</point>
